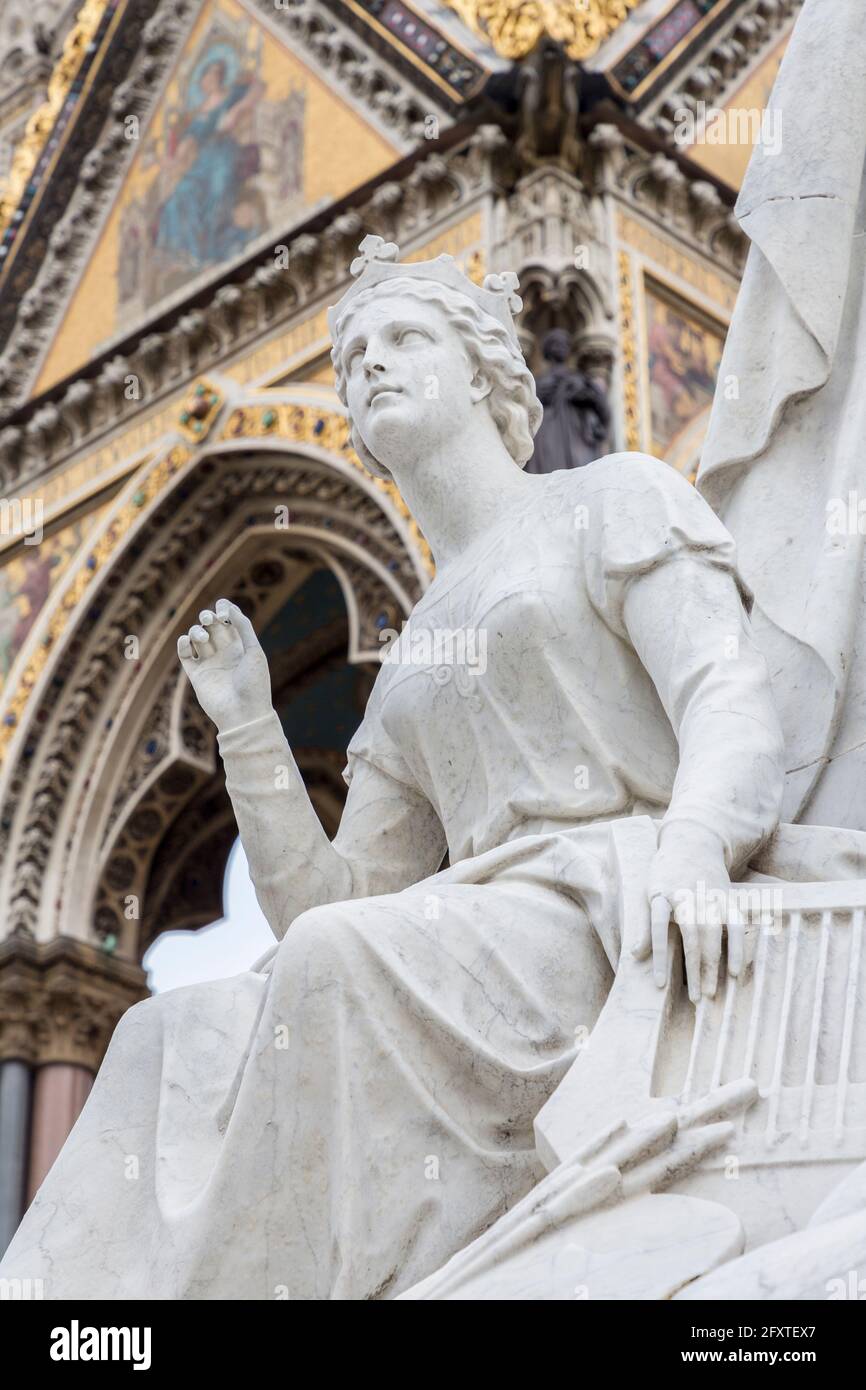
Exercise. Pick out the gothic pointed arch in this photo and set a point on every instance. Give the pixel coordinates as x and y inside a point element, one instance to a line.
<point>116,819</point>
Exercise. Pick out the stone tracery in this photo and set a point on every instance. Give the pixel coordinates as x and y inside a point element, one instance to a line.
<point>224,505</point>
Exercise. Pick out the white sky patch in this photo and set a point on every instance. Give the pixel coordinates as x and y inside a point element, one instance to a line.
<point>225,948</point>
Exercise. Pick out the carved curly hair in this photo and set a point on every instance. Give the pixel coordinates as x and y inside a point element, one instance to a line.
<point>513,404</point>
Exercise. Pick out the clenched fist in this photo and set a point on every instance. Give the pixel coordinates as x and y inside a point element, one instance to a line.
<point>228,669</point>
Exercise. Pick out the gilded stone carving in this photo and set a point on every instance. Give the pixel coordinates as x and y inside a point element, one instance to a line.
<point>514,27</point>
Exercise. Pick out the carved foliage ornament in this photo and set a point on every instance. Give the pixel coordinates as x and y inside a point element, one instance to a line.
<point>514,27</point>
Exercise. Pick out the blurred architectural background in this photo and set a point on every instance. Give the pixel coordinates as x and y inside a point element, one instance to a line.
<point>182,186</point>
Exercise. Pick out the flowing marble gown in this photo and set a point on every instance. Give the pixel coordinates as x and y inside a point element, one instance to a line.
<point>783,461</point>
<point>340,1119</point>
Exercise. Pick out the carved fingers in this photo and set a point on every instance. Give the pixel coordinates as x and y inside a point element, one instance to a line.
<point>231,615</point>
<point>222,631</point>
<point>226,666</point>
<point>695,942</point>
<point>736,942</point>
<point>220,634</point>
<point>689,885</point>
<point>702,946</point>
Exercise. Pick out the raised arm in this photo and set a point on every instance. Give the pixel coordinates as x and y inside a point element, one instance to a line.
<point>389,835</point>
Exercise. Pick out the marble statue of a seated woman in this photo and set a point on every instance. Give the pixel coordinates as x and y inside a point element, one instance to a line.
<point>339,1120</point>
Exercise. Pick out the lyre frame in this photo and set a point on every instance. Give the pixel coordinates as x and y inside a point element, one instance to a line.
<point>624,1071</point>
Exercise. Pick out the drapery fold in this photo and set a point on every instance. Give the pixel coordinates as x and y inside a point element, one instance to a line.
<point>786,432</point>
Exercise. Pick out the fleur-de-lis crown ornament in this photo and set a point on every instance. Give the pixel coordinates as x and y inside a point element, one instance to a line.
<point>377,262</point>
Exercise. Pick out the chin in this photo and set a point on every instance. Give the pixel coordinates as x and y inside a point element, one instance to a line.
<point>386,438</point>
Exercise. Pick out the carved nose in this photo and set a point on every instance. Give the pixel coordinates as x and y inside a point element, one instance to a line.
<point>370,367</point>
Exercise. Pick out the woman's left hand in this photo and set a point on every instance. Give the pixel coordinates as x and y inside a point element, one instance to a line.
<point>689,883</point>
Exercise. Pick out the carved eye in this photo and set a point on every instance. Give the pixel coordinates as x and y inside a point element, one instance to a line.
<point>405,333</point>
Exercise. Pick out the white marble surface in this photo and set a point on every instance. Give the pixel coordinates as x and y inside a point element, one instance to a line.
<point>783,461</point>
<point>343,1119</point>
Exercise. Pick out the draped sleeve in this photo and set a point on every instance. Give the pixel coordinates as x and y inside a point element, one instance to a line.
<point>661,571</point>
<point>641,514</point>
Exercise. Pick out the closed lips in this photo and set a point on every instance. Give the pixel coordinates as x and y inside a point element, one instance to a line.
<point>381,391</point>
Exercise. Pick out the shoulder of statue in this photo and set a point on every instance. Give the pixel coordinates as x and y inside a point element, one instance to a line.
<point>629,471</point>
<point>633,501</point>
<point>640,475</point>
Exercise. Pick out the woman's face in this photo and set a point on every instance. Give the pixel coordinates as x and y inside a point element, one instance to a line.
<point>212,78</point>
<point>408,379</point>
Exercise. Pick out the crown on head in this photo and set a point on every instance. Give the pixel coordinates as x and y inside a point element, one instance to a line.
<point>378,263</point>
